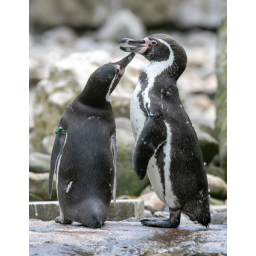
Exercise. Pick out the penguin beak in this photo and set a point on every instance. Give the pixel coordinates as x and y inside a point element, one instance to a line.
<point>135,46</point>
<point>125,61</point>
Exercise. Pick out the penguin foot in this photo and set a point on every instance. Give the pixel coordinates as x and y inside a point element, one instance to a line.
<point>159,222</point>
<point>62,221</point>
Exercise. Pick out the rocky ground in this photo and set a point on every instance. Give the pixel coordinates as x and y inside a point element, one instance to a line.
<point>125,238</point>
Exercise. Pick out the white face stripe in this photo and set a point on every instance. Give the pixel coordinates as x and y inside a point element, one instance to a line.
<point>108,97</point>
<point>58,166</point>
<point>154,69</point>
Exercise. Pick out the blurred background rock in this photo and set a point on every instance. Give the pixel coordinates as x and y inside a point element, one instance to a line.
<point>69,39</point>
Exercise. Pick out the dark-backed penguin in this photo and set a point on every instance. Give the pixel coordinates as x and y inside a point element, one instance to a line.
<point>84,151</point>
<point>167,147</point>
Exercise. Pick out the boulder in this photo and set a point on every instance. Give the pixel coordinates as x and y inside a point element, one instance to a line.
<point>208,145</point>
<point>39,163</point>
<point>123,123</point>
<point>122,24</point>
<point>47,144</point>
<point>155,14</point>
<point>215,201</point>
<point>66,80</point>
<point>219,218</point>
<point>151,199</point>
<point>127,182</point>
<point>217,186</point>
<point>214,168</point>
<point>38,187</point>
<point>221,95</point>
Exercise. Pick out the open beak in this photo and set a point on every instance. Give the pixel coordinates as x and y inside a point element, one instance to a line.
<point>125,61</point>
<point>131,45</point>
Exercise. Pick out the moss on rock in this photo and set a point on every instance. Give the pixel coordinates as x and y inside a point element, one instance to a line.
<point>221,95</point>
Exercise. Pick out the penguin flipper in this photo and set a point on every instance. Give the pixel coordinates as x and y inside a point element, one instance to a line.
<point>56,152</point>
<point>114,151</point>
<point>152,136</point>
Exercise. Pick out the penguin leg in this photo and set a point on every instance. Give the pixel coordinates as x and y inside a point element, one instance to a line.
<point>61,219</point>
<point>172,222</point>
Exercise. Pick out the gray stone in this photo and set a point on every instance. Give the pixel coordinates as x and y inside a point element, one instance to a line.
<point>218,208</point>
<point>122,210</point>
<point>125,238</point>
<point>162,214</point>
<point>123,123</point>
<point>219,218</point>
<point>38,187</point>
<point>122,24</point>
<point>147,213</point>
<point>217,186</point>
<point>152,200</point>
<point>47,144</point>
<point>214,168</point>
<point>67,79</point>
<point>127,182</point>
<point>39,163</point>
<point>59,35</point>
<point>91,14</point>
<point>221,95</point>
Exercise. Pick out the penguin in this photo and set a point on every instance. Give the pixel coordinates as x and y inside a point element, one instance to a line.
<point>167,147</point>
<point>84,151</point>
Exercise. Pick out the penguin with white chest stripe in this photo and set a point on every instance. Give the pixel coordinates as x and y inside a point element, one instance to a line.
<point>167,147</point>
<point>84,151</point>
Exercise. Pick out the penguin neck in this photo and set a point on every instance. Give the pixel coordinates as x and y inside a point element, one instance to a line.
<point>93,98</point>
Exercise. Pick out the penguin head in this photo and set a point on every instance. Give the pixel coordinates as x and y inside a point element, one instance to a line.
<point>159,48</point>
<point>104,80</point>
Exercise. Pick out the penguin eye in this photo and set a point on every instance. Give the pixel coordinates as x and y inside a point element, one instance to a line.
<point>154,43</point>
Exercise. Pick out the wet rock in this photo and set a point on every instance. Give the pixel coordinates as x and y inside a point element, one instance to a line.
<point>126,238</point>
<point>221,95</point>
<point>122,24</point>
<point>208,145</point>
<point>217,186</point>
<point>151,199</point>
<point>127,182</point>
<point>39,163</point>
<point>214,168</point>
<point>219,218</point>
<point>122,210</point>
<point>38,187</point>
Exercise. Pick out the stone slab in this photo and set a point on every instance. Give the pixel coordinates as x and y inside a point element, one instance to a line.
<point>125,238</point>
<point>124,209</point>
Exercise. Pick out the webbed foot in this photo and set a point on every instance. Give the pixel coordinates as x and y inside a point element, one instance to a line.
<point>62,221</point>
<point>172,222</point>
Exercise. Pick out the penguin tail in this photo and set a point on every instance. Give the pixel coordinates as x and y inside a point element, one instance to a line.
<point>199,210</point>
